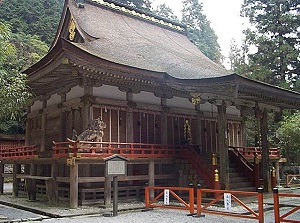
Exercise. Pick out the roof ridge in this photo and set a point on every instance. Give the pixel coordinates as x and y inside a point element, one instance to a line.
<point>138,13</point>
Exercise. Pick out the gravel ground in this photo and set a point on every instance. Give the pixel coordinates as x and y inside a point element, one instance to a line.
<point>129,212</point>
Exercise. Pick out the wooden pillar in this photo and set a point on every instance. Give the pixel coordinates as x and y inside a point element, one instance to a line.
<point>74,185</point>
<point>277,168</point>
<point>265,151</point>
<point>16,170</point>
<point>44,126</point>
<point>151,175</point>
<point>31,184</point>
<point>63,120</point>
<point>222,146</point>
<point>129,116</point>
<point>1,178</point>
<point>27,126</point>
<point>107,192</point>
<point>198,125</point>
<point>53,193</point>
<point>164,121</point>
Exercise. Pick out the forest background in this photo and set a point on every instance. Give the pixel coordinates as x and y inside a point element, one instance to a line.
<point>27,28</point>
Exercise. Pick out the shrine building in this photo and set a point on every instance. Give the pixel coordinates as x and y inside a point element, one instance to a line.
<point>158,101</point>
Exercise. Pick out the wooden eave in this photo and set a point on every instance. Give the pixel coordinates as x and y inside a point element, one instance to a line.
<point>240,90</point>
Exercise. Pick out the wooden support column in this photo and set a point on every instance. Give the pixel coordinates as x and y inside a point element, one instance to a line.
<point>44,126</point>
<point>74,185</point>
<point>129,116</point>
<point>63,119</point>
<point>31,184</point>
<point>198,125</point>
<point>151,175</point>
<point>27,126</point>
<point>164,121</point>
<point>16,170</point>
<point>222,146</point>
<point>265,151</point>
<point>107,192</point>
<point>53,193</point>
<point>1,177</point>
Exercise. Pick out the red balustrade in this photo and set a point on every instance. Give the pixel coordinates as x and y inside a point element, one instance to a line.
<point>20,152</point>
<point>249,152</point>
<point>105,149</point>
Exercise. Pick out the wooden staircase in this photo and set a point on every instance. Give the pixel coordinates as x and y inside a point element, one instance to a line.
<point>238,179</point>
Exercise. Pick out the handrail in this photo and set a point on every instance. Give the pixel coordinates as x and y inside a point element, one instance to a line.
<point>241,158</point>
<point>249,152</point>
<point>203,169</point>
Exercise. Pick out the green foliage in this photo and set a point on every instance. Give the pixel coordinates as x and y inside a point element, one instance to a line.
<point>166,12</point>
<point>276,37</point>
<point>13,89</point>
<point>35,17</point>
<point>289,136</point>
<point>199,30</point>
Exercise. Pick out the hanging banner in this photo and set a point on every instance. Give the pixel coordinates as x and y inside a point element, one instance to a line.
<point>227,201</point>
<point>166,197</point>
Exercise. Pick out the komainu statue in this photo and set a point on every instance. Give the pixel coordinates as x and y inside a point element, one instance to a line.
<point>93,133</point>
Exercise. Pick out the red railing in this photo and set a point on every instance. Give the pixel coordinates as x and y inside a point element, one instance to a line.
<point>21,152</point>
<point>166,202</point>
<point>105,149</point>
<point>249,152</point>
<point>204,170</point>
<point>226,196</point>
<point>292,180</point>
<point>292,208</point>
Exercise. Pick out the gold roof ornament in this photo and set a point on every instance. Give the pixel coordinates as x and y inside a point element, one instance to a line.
<point>196,98</point>
<point>72,28</point>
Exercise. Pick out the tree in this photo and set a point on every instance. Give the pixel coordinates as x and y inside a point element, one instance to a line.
<point>276,37</point>
<point>13,89</point>
<point>32,16</point>
<point>238,58</point>
<point>289,136</point>
<point>166,12</point>
<point>200,31</point>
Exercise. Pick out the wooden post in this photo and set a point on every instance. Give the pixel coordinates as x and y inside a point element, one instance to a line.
<point>16,170</point>
<point>265,151</point>
<point>107,192</point>
<point>31,184</point>
<point>129,116</point>
<point>222,146</point>
<point>74,185</point>
<point>164,122</point>
<point>54,191</point>
<point>115,196</point>
<point>256,170</point>
<point>151,177</point>
<point>198,125</point>
<point>1,178</point>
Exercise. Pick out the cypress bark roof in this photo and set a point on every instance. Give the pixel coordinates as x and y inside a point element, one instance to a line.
<point>125,38</point>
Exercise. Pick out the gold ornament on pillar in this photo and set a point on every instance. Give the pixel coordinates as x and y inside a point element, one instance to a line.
<point>196,98</point>
<point>187,132</point>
